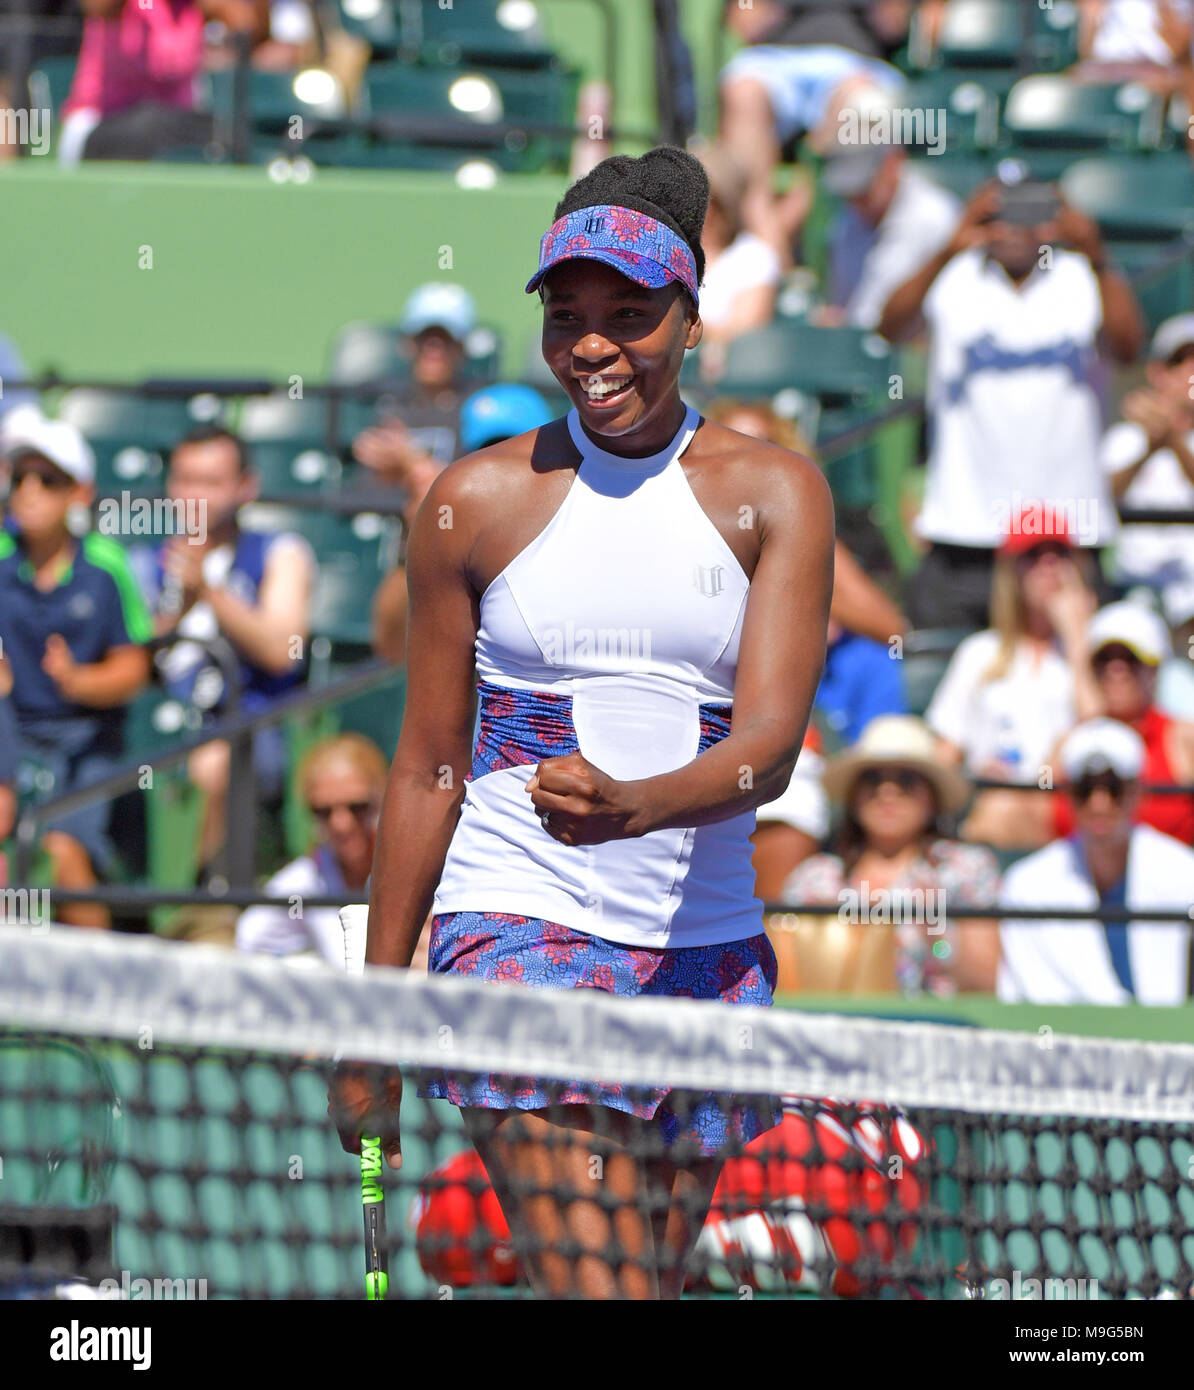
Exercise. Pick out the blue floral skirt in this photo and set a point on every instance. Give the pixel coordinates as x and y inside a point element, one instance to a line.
<point>545,955</point>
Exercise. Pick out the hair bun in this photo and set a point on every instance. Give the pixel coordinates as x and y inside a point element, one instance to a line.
<point>667,183</point>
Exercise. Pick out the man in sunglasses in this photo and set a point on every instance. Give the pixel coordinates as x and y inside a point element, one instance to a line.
<point>1110,861</point>
<point>72,624</point>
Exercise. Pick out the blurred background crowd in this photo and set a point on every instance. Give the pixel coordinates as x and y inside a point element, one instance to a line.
<point>949,254</point>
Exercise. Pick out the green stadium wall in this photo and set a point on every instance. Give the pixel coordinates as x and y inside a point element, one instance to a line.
<point>256,277</point>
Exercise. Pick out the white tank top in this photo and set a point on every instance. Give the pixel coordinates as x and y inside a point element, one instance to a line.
<point>608,633</point>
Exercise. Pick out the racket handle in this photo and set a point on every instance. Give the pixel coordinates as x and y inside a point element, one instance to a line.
<point>373,1205</point>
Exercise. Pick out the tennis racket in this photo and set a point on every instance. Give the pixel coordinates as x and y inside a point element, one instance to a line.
<point>354,922</point>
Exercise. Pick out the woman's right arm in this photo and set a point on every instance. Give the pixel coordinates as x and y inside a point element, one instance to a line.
<point>426,783</point>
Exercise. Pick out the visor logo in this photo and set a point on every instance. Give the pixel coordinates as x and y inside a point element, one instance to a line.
<point>594,224</point>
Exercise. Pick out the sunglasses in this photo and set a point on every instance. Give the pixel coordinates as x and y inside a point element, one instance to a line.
<point>359,810</point>
<point>52,478</point>
<point>903,778</point>
<point>1085,787</point>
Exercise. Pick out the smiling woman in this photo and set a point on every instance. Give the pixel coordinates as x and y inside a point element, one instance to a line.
<point>595,834</point>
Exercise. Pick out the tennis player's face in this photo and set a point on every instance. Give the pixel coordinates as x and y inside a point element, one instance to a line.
<point>617,348</point>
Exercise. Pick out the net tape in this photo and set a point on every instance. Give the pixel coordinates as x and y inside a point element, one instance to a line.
<point>200,996</point>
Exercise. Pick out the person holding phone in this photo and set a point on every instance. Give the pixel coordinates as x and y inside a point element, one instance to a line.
<point>1019,305</point>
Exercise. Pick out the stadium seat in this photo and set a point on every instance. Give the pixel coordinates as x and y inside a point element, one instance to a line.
<point>1147,197</point>
<point>835,364</point>
<point>450,107</point>
<point>1046,112</point>
<point>927,654</point>
<point>489,32</point>
<point>364,353</point>
<point>960,173</point>
<point>288,442</point>
<point>374,21</point>
<point>354,554</point>
<point>971,107</point>
<point>312,97</point>
<point>993,34</point>
<point>50,82</point>
<point>133,434</point>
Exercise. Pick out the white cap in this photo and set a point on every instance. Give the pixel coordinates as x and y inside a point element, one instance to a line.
<point>1139,629</point>
<point>440,305</point>
<point>1103,745</point>
<point>26,430</point>
<point>1174,333</point>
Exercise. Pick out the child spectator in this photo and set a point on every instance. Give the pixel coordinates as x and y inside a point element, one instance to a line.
<point>71,625</point>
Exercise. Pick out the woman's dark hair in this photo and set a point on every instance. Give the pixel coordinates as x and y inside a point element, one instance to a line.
<point>666,183</point>
<point>849,840</point>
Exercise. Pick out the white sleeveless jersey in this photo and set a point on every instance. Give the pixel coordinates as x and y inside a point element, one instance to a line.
<point>608,632</point>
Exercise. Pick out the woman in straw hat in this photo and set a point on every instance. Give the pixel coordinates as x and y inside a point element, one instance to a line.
<point>895,875</point>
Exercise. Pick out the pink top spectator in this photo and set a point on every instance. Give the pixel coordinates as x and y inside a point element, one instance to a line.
<point>141,55</point>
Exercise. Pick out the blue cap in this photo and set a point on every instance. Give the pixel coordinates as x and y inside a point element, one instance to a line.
<point>440,305</point>
<point>497,412</point>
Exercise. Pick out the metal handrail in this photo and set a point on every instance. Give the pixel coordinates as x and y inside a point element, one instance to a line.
<point>148,897</point>
<point>235,728</point>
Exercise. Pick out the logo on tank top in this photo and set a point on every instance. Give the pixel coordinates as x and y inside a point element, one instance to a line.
<point>709,580</point>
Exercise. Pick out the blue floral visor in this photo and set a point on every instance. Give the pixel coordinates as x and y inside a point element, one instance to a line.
<point>642,248</point>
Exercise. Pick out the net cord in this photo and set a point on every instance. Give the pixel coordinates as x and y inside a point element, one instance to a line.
<point>156,993</point>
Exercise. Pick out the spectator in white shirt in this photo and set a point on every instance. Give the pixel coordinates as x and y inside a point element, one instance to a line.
<point>742,263</point>
<point>1149,459</point>
<point>1011,692</point>
<point>894,219</point>
<point>1015,323</point>
<point>341,781</point>
<point>1110,861</point>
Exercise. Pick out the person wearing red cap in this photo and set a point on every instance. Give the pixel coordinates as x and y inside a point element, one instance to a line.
<point>589,826</point>
<point>1011,692</point>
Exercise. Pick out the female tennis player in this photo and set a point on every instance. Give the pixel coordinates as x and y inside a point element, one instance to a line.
<point>617,579</point>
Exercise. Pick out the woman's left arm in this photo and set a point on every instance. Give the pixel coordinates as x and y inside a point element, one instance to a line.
<point>780,657</point>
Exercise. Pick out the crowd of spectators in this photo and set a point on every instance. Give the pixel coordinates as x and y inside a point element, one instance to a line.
<point>1068,699</point>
